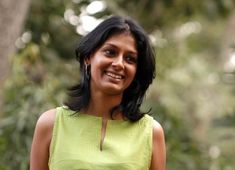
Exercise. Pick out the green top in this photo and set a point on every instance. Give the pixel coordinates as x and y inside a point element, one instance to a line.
<point>75,143</point>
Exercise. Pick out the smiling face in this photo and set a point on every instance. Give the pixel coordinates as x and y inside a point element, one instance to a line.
<point>114,65</point>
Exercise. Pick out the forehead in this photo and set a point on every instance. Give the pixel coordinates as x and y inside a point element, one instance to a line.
<point>123,40</point>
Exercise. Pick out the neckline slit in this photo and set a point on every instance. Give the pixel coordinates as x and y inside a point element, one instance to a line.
<point>103,132</point>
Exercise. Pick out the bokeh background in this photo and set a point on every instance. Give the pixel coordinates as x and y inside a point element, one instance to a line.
<point>193,96</point>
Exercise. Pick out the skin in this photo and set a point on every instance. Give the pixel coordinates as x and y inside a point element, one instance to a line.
<point>159,150</point>
<point>113,68</point>
<point>41,141</point>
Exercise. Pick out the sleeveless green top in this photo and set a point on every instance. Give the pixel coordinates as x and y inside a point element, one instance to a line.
<point>75,143</point>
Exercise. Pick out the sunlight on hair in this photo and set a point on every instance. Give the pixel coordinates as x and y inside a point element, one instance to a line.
<point>95,7</point>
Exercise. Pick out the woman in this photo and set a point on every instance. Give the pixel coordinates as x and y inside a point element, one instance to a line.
<point>101,127</point>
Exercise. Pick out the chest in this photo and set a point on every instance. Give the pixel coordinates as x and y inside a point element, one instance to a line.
<point>76,145</point>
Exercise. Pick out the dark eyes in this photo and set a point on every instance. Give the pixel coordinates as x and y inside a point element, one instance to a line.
<point>131,59</point>
<point>113,53</point>
<point>109,52</point>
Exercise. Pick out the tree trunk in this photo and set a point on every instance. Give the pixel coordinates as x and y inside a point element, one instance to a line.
<point>12,17</point>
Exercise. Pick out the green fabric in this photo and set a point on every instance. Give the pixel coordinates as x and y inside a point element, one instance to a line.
<point>76,139</point>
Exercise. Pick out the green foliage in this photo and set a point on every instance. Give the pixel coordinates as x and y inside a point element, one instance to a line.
<point>34,87</point>
<point>189,97</point>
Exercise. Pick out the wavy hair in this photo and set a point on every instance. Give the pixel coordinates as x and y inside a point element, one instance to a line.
<point>79,95</point>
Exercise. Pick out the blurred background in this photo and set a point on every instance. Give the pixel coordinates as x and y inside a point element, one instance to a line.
<point>193,96</point>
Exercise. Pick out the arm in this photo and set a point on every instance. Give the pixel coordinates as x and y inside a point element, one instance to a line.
<point>41,141</point>
<point>159,150</point>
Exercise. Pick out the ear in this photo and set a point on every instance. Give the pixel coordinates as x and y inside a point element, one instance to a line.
<point>87,61</point>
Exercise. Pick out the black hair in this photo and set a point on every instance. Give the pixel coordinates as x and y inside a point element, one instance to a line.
<point>79,95</point>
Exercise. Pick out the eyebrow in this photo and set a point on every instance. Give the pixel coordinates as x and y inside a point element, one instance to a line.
<point>134,52</point>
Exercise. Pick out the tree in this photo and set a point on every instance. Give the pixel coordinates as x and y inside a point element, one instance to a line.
<point>12,19</point>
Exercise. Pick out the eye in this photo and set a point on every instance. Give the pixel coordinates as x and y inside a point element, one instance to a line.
<point>131,59</point>
<point>109,52</point>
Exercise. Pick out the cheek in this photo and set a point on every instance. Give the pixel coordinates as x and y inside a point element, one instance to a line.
<point>95,72</point>
<point>133,71</point>
<point>95,66</point>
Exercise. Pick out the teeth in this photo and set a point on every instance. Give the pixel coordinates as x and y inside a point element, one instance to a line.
<point>114,75</point>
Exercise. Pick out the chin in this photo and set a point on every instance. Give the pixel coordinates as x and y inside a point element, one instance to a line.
<point>113,90</point>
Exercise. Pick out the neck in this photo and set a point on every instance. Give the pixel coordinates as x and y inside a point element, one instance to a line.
<point>100,105</point>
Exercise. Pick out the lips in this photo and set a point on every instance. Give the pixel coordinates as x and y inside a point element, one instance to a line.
<point>114,75</point>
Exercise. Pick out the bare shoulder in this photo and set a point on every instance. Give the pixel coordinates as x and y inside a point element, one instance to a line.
<point>47,118</point>
<point>157,130</point>
<point>45,124</point>
<point>158,151</point>
<point>41,141</point>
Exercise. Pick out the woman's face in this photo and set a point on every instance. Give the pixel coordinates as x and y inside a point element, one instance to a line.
<point>114,64</point>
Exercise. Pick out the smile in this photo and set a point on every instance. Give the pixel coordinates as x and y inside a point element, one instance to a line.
<point>115,76</point>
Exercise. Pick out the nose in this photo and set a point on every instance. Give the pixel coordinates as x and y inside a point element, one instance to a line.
<point>118,62</point>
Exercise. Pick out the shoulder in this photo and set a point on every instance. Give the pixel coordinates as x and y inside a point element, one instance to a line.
<point>45,123</point>
<point>155,126</point>
<point>158,135</point>
<point>47,119</point>
<point>41,140</point>
<point>44,128</point>
<point>157,130</point>
<point>158,150</point>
